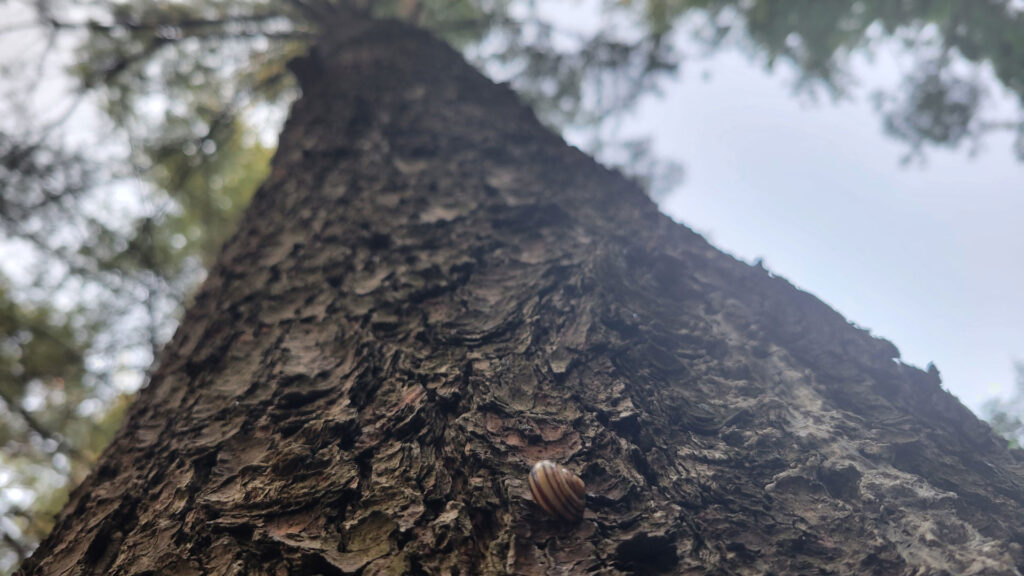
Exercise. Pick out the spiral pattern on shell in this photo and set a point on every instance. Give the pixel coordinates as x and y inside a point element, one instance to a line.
<point>559,492</point>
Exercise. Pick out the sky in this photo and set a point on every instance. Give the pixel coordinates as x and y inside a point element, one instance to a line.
<point>928,256</point>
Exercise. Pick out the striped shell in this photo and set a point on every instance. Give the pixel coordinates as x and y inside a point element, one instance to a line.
<point>558,491</point>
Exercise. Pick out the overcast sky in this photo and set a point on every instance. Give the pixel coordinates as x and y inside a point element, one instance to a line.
<point>930,257</point>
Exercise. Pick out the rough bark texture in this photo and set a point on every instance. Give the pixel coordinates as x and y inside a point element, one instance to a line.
<point>431,292</point>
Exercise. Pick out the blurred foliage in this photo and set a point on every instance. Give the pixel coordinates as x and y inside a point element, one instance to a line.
<point>953,43</point>
<point>132,134</point>
<point>53,419</point>
<point>1005,414</point>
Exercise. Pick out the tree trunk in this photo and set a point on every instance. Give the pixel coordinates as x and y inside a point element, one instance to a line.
<point>432,292</point>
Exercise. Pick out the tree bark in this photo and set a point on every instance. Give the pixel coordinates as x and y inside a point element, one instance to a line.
<point>431,292</point>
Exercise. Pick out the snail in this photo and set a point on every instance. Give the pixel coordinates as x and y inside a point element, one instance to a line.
<point>559,492</point>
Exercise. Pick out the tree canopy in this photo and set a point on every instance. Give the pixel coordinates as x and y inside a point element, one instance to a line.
<point>1006,415</point>
<point>133,133</point>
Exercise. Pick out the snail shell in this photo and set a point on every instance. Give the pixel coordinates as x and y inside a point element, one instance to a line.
<point>558,491</point>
